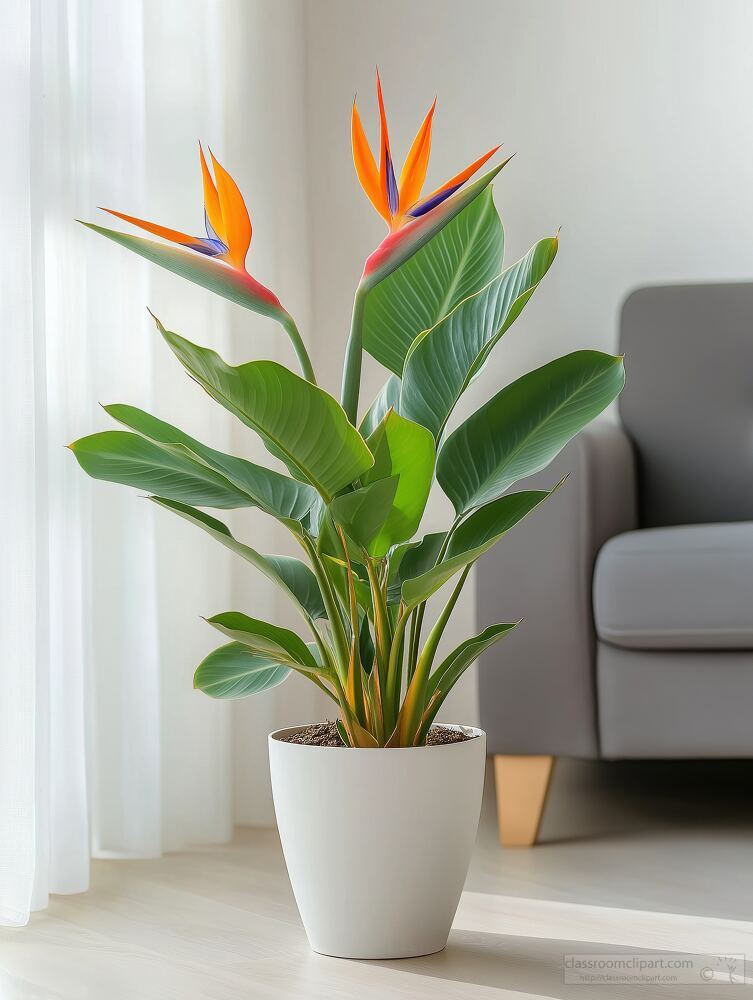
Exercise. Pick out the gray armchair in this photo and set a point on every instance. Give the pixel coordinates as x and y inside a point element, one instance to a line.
<point>636,580</point>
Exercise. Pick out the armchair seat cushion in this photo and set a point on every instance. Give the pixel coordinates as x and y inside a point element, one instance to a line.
<point>688,587</point>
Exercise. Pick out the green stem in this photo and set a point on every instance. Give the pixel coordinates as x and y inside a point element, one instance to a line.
<point>394,674</point>
<point>415,696</point>
<point>353,357</point>
<point>415,638</point>
<point>333,611</point>
<point>427,656</point>
<point>381,621</point>
<point>299,347</point>
<point>320,684</point>
<point>417,624</point>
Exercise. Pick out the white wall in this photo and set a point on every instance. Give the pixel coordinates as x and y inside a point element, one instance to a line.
<point>631,123</point>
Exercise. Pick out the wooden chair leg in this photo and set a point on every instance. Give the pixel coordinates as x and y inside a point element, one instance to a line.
<point>522,784</point>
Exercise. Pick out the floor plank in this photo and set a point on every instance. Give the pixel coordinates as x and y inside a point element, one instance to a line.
<point>633,860</point>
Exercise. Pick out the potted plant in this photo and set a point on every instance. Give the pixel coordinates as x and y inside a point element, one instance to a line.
<point>378,811</point>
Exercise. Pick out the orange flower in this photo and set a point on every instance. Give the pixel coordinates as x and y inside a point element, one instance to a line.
<point>398,203</point>
<point>226,219</point>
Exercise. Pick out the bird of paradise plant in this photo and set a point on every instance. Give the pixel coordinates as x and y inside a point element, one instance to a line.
<point>432,303</point>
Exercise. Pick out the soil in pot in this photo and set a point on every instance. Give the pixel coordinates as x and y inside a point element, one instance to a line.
<point>325,734</point>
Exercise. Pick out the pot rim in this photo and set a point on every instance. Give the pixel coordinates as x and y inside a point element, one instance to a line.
<point>473,731</point>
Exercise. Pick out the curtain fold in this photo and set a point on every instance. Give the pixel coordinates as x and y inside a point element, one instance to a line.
<point>105,748</point>
<point>18,508</point>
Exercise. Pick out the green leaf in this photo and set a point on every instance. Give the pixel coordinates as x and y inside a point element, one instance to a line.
<point>476,535</point>
<point>291,575</point>
<point>233,671</point>
<point>411,559</point>
<point>388,397</point>
<point>328,541</point>
<point>266,639</point>
<point>337,571</point>
<point>405,450</point>
<point>459,259</point>
<point>210,274</point>
<point>443,361</point>
<point>300,582</point>
<point>451,669</point>
<point>277,495</point>
<point>131,460</point>
<point>299,422</point>
<point>363,512</point>
<point>342,732</point>
<point>521,429</point>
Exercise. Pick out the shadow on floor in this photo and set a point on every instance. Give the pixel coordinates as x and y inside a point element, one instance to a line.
<point>672,836</point>
<point>536,966</point>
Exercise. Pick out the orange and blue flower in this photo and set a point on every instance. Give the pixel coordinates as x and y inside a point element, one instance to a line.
<point>226,219</point>
<point>228,229</point>
<point>399,202</point>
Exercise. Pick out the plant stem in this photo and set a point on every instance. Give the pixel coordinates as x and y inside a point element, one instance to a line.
<point>415,696</point>
<point>394,674</point>
<point>354,687</point>
<point>353,357</point>
<point>333,611</point>
<point>415,632</point>
<point>415,638</point>
<point>381,621</point>
<point>427,656</point>
<point>299,347</point>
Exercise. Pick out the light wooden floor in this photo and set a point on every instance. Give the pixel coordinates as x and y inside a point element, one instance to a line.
<point>633,858</point>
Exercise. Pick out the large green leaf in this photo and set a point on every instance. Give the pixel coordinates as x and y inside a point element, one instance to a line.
<point>387,397</point>
<point>266,639</point>
<point>471,540</point>
<point>455,262</point>
<point>131,460</point>
<point>278,495</point>
<point>442,361</point>
<point>521,429</point>
<point>299,581</point>
<point>299,422</point>
<point>233,671</point>
<point>211,274</point>
<point>291,575</point>
<point>412,559</point>
<point>362,513</point>
<point>405,450</point>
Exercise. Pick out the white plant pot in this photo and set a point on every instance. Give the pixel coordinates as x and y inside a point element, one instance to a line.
<point>377,842</point>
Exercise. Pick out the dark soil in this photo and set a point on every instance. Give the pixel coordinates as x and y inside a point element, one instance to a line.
<point>325,734</point>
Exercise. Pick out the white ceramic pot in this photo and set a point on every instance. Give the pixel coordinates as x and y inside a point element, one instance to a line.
<point>377,842</point>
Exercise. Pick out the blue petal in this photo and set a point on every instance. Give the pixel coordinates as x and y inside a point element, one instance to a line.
<point>426,206</point>
<point>213,237</point>
<point>212,248</point>
<point>393,196</point>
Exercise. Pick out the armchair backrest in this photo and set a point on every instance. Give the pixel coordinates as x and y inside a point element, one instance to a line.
<point>688,401</point>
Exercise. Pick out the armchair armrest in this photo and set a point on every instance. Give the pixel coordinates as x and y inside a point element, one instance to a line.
<point>537,688</point>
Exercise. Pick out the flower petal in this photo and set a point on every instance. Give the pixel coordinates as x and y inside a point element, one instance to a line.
<point>174,235</point>
<point>366,168</point>
<point>450,186</point>
<point>413,174</point>
<point>212,208</point>
<point>386,169</point>
<point>235,218</point>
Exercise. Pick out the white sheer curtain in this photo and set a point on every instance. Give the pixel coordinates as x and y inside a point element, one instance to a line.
<point>104,747</point>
